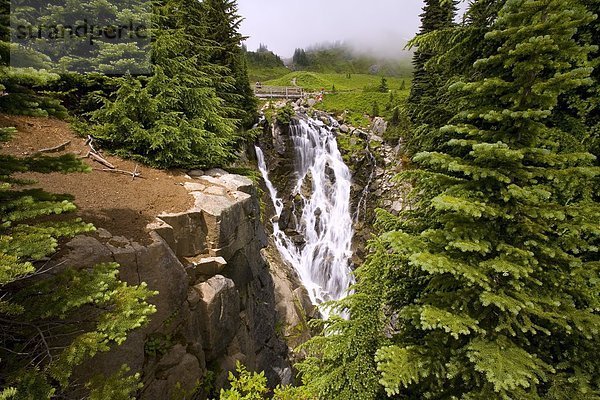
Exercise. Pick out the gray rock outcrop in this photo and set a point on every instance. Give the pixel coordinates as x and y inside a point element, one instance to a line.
<point>216,301</point>
<point>379,126</point>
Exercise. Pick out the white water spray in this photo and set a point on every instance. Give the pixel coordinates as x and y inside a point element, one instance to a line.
<point>323,260</point>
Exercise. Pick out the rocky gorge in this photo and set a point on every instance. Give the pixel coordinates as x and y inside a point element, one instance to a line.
<point>224,293</point>
<point>221,297</point>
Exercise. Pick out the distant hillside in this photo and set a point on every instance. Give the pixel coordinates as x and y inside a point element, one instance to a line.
<point>342,58</point>
<point>264,65</point>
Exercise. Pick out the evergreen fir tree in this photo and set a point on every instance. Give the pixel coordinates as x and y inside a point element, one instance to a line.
<point>437,15</point>
<point>300,59</point>
<point>223,21</point>
<point>375,109</point>
<point>497,300</point>
<point>109,54</point>
<point>395,120</point>
<point>487,286</point>
<point>263,59</point>
<point>426,106</point>
<point>453,51</point>
<point>43,336</point>
<point>579,109</point>
<point>21,88</point>
<point>340,364</point>
<point>174,117</point>
<point>383,85</point>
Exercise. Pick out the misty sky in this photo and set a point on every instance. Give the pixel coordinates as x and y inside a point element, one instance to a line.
<point>283,25</point>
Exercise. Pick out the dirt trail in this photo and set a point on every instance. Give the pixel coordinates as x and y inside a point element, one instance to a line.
<point>109,200</point>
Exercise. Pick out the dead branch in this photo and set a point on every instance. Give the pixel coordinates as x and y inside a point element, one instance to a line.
<point>89,142</point>
<point>54,149</point>
<point>133,174</point>
<point>46,348</point>
<point>96,157</point>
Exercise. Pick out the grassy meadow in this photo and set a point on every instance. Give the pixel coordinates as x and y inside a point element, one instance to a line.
<point>358,95</point>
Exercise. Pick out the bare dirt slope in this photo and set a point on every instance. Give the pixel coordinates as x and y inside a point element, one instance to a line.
<point>109,200</point>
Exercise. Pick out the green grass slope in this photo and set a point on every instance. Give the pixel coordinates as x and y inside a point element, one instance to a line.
<point>315,81</point>
<point>355,94</point>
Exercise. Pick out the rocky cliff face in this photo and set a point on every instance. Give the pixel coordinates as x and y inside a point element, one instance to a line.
<point>218,301</point>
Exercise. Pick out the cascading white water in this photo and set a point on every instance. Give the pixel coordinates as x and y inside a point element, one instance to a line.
<point>323,260</point>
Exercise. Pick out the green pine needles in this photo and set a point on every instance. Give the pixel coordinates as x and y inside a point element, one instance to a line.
<point>174,117</point>
<point>223,20</point>
<point>46,330</point>
<point>189,111</point>
<point>423,105</point>
<point>507,305</point>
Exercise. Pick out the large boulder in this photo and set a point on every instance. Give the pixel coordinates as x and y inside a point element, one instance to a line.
<point>178,374</point>
<point>229,222</point>
<point>379,126</point>
<point>188,234</point>
<point>150,264</point>
<point>220,308</point>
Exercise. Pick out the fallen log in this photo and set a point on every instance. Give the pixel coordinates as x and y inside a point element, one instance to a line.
<point>54,149</point>
<point>101,160</point>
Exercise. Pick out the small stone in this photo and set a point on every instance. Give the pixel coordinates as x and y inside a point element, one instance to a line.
<point>216,172</point>
<point>237,183</point>
<point>209,266</point>
<point>379,126</point>
<point>119,241</point>
<point>344,128</point>
<point>195,173</point>
<point>103,233</point>
<point>298,240</point>
<point>184,377</point>
<point>285,375</point>
<point>194,186</point>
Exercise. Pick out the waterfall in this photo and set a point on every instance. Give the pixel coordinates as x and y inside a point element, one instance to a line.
<point>324,221</point>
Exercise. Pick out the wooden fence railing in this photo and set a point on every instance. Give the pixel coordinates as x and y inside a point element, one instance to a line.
<point>283,92</point>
